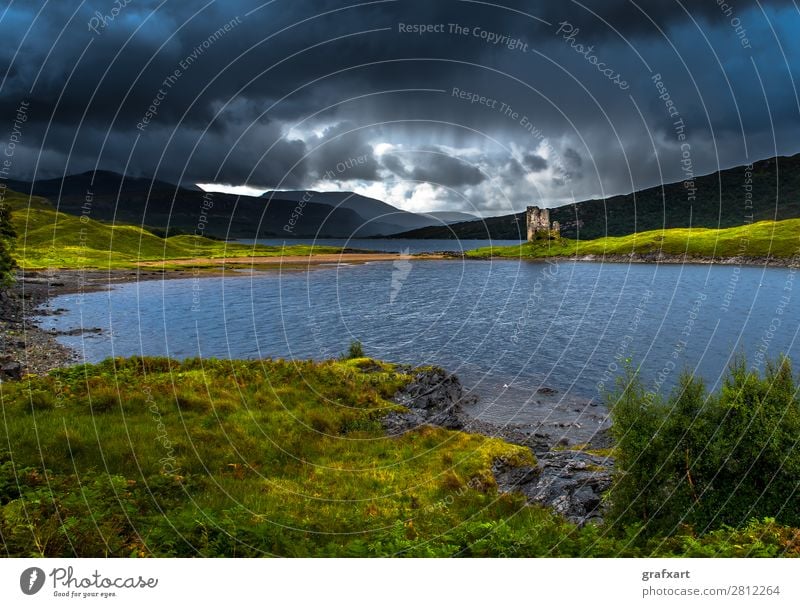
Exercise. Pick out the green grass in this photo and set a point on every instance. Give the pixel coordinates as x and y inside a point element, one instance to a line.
<point>291,452</point>
<point>152,457</point>
<point>50,239</point>
<point>779,239</point>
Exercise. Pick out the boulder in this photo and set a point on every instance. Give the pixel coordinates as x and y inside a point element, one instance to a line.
<point>572,483</point>
<point>433,397</point>
<point>11,370</point>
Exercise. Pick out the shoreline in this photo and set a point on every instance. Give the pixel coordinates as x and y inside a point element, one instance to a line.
<point>654,259</point>
<point>290,260</point>
<point>570,476</point>
<point>26,348</point>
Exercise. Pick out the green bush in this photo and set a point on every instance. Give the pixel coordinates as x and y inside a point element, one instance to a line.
<point>356,350</point>
<point>708,460</point>
<point>7,236</point>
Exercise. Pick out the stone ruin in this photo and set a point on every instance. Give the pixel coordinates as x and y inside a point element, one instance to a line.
<point>538,221</point>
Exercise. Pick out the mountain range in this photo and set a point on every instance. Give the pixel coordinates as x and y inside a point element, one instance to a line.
<point>767,189</point>
<point>164,208</point>
<point>382,217</point>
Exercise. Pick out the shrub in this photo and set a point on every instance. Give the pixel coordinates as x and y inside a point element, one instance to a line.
<point>192,402</point>
<point>356,350</point>
<point>7,236</point>
<point>708,460</point>
<point>323,422</point>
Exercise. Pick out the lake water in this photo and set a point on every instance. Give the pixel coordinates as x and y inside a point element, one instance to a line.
<point>506,328</point>
<point>389,244</point>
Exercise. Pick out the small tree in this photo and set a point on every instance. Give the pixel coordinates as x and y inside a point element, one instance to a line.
<point>7,235</point>
<point>635,423</point>
<point>356,350</point>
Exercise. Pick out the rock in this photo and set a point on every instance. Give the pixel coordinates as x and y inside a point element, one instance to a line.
<point>547,391</point>
<point>11,370</point>
<point>433,397</point>
<point>587,498</point>
<point>572,483</point>
<point>511,479</point>
<point>50,312</point>
<point>77,331</point>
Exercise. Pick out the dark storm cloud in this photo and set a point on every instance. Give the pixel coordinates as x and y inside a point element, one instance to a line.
<point>434,166</point>
<point>534,163</point>
<point>447,171</point>
<point>393,163</point>
<point>343,145</point>
<point>630,19</point>
<point>283,94</point>
<point>572,158</point>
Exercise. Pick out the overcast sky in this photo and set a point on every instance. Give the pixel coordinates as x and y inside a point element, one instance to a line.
<point>490,108</point>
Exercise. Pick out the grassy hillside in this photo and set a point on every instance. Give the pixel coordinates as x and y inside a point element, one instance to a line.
<point>163,206</point>
<point>780,239</point>
<point>50,239</point>
<point>720,202</point>
<point>151,457</point>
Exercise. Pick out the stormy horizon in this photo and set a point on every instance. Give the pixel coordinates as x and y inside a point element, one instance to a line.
<point>457,106</point>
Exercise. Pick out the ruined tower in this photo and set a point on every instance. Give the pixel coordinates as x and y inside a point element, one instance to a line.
<point>538,221</point>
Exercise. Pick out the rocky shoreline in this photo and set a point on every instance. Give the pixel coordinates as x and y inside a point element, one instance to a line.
<point>571,481</point>
<point>661,258</point>
<point>647,258</point>
<point>24,346</point>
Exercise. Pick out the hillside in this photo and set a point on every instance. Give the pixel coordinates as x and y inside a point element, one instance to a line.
<point>47,238</point>
<point>175,210</point>
<point>776,239</point>
<point>168,209</point>
<point>383,218</point>
<point>720,203</point>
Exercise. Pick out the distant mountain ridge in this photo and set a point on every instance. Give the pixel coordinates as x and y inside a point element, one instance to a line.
<point>169,209</point>
<point>770,189</point>
<point>374,210</point>
<point>726,198</point>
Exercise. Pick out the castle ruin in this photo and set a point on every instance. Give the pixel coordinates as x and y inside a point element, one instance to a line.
<point>538,221</point>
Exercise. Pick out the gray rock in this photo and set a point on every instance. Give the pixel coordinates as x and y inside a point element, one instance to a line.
<point>511,479</point>
<point>11,370</point>
<point>572,483</point>
<point>77,331</point>
<point>433,397</point>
